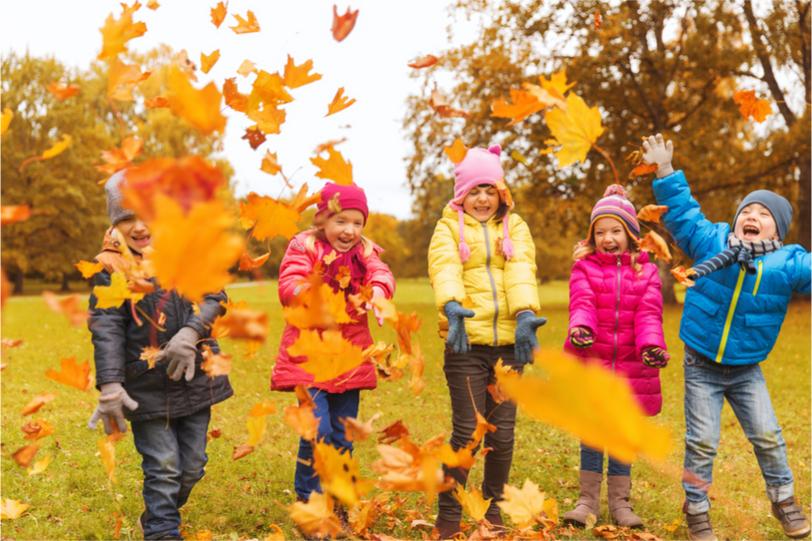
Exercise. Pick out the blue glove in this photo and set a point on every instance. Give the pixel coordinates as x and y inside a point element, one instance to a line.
<point>457,339</point>
<point>526,342</point>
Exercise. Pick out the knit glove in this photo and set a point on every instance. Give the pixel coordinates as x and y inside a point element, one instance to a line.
<point>581,337</point>
<point>655,357</point>
<point>457,339</point>
<point>112,401</point>
<point>526,342</point>
<point>658,152</point>
<point>181,352</point>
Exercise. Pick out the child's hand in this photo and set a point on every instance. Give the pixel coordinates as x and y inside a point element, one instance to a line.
<point>457,338</point>
<point>112,401</point>
<point>581,337</point>
<point>526,341</point>
<point>181,352</point>
<point>377,292</point>
<point>655,357</point>
<point>657,151</point>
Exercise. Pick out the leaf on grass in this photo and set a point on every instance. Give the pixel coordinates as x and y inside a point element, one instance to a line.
<point>40,465</point>
<point>339,102</point>
<point>267,217</point>
<point>329,354</point>
<point>343,24</point>
<point>315,517</point>
<point>751,106</point>
<point>207,61</point>
<point>652,213</point>
<point>117,32</point>
<point>524,506</point>
<point>24,455</point>
<point>200,108</point>
<point>71,373</point>
<point>575,129</point>
<point>296,76</point>
<point>655,244</point>
<point>457,151</point>
<point>12,509</point>
<point>35,430</point>
<point>36,403</point>
<point>246,25</point>
<point>88,268</point>
<point>339,474</point>
<point>473,504</point>
<point>423,61</point>
<point>241,451</point>
<point>218,14</point>
<point>62,92</point>
<point>10,343</point>
<point>71,306</point>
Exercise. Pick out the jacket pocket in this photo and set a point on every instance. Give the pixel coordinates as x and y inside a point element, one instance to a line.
<point>762,320</point>
<point>703,303</point>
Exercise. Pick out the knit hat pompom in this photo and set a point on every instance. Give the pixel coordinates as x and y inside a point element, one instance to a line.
<point>615,189</point>
<point>614,203</point>
<point>495,149</point>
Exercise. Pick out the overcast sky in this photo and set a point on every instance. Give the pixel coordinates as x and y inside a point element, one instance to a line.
<point>370,64</point>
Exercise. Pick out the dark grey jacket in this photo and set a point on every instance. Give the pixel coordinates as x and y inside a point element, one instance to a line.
<point>118,340</point>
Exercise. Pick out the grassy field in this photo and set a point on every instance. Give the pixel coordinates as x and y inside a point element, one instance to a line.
<point>73,499</point>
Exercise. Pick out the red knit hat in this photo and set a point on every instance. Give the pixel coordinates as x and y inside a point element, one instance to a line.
<point>346,196</point>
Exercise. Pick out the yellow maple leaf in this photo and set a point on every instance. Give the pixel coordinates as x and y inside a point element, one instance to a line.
<point>270,88</point>
<point>122,79</point>
<point>200,108</point>
<point>329,355</point>
<point>256,426</point>
<point>318,308</point>
<point>215,364</point>
<point>611,419</point>
<point>575,128</point>
<point>8,114</point>
<point>457,151</point>
<point>246,25</point>
<point>116,293</point>
<point>334,167</point>
<point>117,32</point>
<point>268,217</point>
<point>88,268</point>
<point>296,76</point>
<point>315,517</point>
<point>268,117</point>
<point>653,243</point>
<point>202,240</point>
<point>270,163</point>
<point>12,509</point>
<point>524,506</point>
<point>557,84</point>
<point>246,68</point>
<point>150,355</point>
<point>339,474</point>
<point>474,505</point>
<point>339,102</point>
<point>218,14</point>
<point>40,465</point>
<point>107,450</point>
<point>207,61</point>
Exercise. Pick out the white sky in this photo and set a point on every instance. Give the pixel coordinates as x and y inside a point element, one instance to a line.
<point>370,64</point>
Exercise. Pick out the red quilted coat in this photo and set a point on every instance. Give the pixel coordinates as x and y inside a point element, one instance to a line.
<point>624,311</point>
<point>366,268</point>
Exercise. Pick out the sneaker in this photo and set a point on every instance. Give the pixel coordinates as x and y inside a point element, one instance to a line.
<point>792,518</point>
<point>699,526</point>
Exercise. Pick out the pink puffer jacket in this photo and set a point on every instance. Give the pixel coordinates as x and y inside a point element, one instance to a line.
<point>624,310</point>
<point>299,260</point>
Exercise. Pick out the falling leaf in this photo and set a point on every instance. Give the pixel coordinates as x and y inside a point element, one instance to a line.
<point>232,96</point>
<point>557,85</point>
<point>334,167</point>
<point>523,105</point>
<point>202,239</point>
<point>117,32</point>
<point>343,24</point>
<point>270,88</point>
<point>393,432</point>
<point>269,117</point>
<point>457,151</point>
<point>241,451</point>
<point>268,217</point>
<point>684,276</point>
<point>12,509</point>
<point>72,306</point>
<point>750,106</point>
<point>156,102</point>
<point>256,425</point>
<point>11,214</point>
<point>409,467</point>
<point>654,243</point>
<point>597,19</point>
<point>270,163</point>
<point>62,92</point>
<point>207,61</point>
<point>519,157</point>
<point>88,268</point>
<point>254,137</point>
<point>36,403</point>
<point>40,465</point>
<point>246,68</point>
<point>473,504</point>
<point>215,364</point>
<point>643,169</point>
<point>116,293</point>
<point>524,505</point>
<point>318,307</point>
<point>118,158</point>
<point>296,76</point>
<point>150,355</point>
<point>652,213</point>
<point>339,474</point>
<point>355,430</point>
<point>241,322</point>
<point>315,517</point>
<point>107,450</point>
<point>248,263</point>
<point>24,455</point>
<point>611,419</point>
<point>218,14</point>
<point>8,114</point>
<point>35,430</point>
<point>200,108</point>
<point>9,343</point>
<point>363,516</point>
<point>122,79</point>
<point>423,61</point>
<point>442,107</point>
<point>153,4</point>
<point>339,103</point>
<point>329,355</point>
<point>247,25</point>
<point>575,129</point>
<point>71,373</point>
<point>55,150</point>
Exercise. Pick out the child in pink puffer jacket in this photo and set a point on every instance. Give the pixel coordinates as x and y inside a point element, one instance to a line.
<point>616,318</point>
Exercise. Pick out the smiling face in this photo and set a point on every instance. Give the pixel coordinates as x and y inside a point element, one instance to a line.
<point>343,229</point>
<point>136,234</point>
<point>610,236</point>
<point>754,223</point>
<point>481,202</point>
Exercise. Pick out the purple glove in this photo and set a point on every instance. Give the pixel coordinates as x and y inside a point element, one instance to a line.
<point>581,337</point>
<point>655,357</point>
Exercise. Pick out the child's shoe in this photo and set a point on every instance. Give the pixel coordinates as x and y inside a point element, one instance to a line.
<point>699,526</point>
<point>588,501</point>
<point>620,488</point>
<point>447,529</point>
<point>792,518</point>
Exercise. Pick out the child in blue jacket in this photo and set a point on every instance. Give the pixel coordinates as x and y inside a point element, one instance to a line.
<point>744,279</point>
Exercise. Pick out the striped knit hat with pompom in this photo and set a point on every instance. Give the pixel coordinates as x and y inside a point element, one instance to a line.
<point>614,203</point>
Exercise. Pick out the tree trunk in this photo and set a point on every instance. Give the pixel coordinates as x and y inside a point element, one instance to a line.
<point>18,284</point>
<point>668,283</point>
<point>65,287</point>
<point>804,203</point>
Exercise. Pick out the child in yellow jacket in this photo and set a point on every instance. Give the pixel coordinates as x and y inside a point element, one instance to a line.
<point>482,252</point>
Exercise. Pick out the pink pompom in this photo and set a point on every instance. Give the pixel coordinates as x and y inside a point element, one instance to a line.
<point>495,149</point>
<point>465,251</point>
<point>507,248</point>
<point>615,189</point>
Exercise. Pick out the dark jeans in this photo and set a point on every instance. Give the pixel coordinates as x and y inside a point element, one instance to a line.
<point>173,457</point>
<point>330,408</point>
<point>468,376</point>
<point>592,460</point>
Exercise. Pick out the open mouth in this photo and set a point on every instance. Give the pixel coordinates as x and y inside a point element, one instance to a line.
<point>750,230</point>
<point>611,249</point>
<point>482,210</point>
<point>141,241</point>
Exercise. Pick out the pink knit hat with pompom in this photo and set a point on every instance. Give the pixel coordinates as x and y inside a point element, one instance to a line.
<point>614,203</point>
<point>481,166</point>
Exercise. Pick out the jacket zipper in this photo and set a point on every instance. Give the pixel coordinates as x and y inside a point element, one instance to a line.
<point>729,319</point>
<point>617,314</point>
<point>493,284</point>
<point>758,277</point>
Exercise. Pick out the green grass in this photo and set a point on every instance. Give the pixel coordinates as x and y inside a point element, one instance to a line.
<point>73,499</point>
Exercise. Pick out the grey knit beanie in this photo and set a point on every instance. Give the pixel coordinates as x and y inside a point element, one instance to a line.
<point>115,211</point>
<point>778,206</point>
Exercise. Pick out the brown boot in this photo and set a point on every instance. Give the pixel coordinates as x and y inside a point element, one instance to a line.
<point>447,529</point>
<point>620,488</point>
<point>699,526</point>
<point>792,518</point>
<point>588,502</point>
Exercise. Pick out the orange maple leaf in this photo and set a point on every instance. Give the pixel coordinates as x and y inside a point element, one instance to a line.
<point>643,169</point>
<point>247,25</point>
<point>269,117</point>
<point>423,61</point>
<point>315,517</point>
<point>251,263</point>
<point>300,417</point>
<point>339,103</point>
<point>457,151</point>
<point>654,243</point>
<point>684,276</point>
<point>215,364</point>
<point>24,455</point>
<point>355,430</point>
<point>652,213</point>
<point>207,61</point>
<point>270,88</point>
<point>524,104</point>
<point>156,102</point>
<point>118,158</point>
<point>117,32</point>
<point>71,373</point>
<point>267,217</point>
<point>218,14</point>
<point>334,167</point>
<point>318,307</point>
<point>254,137</point>
<point>750,106</point>
<point>11,214</point>
<point>150,355</point>
<point>329,354</point>
<point>38,429</point>
<point>233,97</point>
<point>88,268</point>
<point>241,322</point>
<point>200,108</point>
<point>296,76</point>
<point>72,306</point>
<point>270,163</point>
<point>122,79</point>
<point>107,451</point>
<point>442,107</point>
<point>62,92</point>
<point>343,24</point>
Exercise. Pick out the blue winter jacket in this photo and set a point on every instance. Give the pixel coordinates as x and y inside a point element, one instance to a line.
<point>730,316</point>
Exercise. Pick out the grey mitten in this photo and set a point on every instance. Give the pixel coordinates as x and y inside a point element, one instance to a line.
<point>457,338</point>
<point>112,401</point>
<point>181,352</point>
<point>525,338</point>
<point>657,151</point>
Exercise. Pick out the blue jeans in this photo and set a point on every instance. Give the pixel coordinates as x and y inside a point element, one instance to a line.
<point>592,460</point>
<point>173,457</point>
<point>330,408</point>
<point>707,384</point>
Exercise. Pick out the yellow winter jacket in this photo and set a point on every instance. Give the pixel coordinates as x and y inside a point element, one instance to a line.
<point>498,289</point>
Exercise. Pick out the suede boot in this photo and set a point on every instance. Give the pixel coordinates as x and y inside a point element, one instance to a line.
<point>588,502</point>
<point>447,529</point>
<point>620,488</point>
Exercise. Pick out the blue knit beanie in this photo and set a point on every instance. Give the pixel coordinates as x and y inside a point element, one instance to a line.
<point>778,206</point>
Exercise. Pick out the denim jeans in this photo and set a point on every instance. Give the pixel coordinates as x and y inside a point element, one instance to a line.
<point>468,376</point>
<point>330,408</point>
<point>173,458</point>
<point>592,460</point>
<point>707,384</point>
